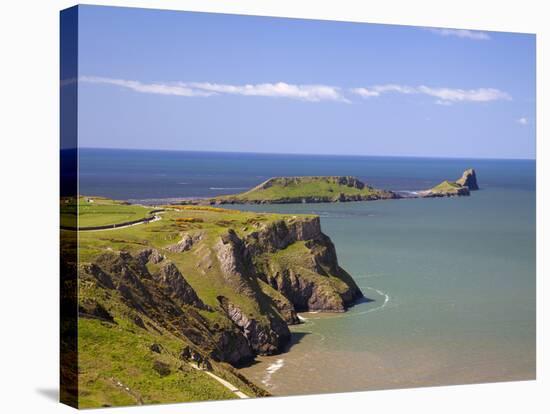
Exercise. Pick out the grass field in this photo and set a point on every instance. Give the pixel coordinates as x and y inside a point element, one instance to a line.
<point>446,187</point>
<point>98,211</point>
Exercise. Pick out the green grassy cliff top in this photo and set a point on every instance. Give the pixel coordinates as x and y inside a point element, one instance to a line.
<point>100,211</point>
<point>308,189</point>
<point>448,188</point>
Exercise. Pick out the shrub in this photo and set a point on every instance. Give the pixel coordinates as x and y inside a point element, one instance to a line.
<point>181,220</point>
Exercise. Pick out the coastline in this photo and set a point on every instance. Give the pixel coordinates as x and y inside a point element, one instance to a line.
<point>414,252</point>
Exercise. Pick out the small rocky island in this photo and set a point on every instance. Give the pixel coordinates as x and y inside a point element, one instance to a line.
<point>314,189</point>
<point>460,187</point>
<point>331,189</point>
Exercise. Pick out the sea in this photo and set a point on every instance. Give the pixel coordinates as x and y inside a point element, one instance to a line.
<point>452,281</point>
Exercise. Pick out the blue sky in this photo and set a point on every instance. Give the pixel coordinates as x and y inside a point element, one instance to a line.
<point>199,81</point>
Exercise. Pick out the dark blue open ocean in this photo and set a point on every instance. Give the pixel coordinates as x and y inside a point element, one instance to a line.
<point>452,280</point>
<point>144,174</point>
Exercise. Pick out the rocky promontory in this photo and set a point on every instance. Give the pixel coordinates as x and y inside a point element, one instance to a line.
<point>227,283</point>
<point>468,179</point>
<point>461,187</point>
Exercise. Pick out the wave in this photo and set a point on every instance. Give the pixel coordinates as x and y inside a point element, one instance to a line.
<point>351,313</point>
<point>385,295</point>
<point>272,369</point>
<point>408,193</point>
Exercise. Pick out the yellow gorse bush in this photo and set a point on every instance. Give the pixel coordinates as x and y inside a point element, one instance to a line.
<point>189,220</point>
<point>201,208</point>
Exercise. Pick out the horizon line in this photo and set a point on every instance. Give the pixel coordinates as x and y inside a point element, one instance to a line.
<point>312,154</point>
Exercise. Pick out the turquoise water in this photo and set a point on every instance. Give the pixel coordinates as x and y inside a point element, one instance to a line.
<point>452,280</point>
<point>453,283</point>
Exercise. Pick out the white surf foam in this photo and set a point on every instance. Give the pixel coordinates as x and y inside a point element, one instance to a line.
<point>385,295</point>
<point>354,312</point>
<point>272,369</point>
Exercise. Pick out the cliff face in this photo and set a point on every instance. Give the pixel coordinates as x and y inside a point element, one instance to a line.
<point>469,180</point>
<point>281,233</point>
<point>309,280</point>
<point>264,339</point>
<point>160,300</point>
<point>266,272</point>
<point>309,275</point>
<point>267,337</point>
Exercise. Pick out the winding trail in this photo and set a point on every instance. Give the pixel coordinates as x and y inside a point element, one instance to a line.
<point>145,220</point>
<point>225,383</point>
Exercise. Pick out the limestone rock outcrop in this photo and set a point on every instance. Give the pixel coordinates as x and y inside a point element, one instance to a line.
<point>469,180</point>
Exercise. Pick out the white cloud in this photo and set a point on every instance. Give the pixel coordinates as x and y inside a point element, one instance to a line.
<point>522,121</point>
<point>364,92</point>
<point>378,90</point>
<point>445,96</point>
<point>462,33</point>
<point>310,93</point>
<point>394,88</point>
<point>468,95</point>
<point>178,89</point>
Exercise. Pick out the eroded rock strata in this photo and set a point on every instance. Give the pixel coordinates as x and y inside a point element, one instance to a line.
<point>469,180</point>
<point>268,273</point>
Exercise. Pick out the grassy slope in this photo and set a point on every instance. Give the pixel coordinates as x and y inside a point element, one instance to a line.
<point>446,187</point>
<point>116,363</point>
<point>307,187</point>
<point>212,222</point>
<point>121,351</point>
<point>101,212</point>
<point>115,368</point>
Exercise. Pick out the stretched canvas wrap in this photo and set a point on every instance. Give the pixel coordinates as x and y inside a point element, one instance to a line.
<point>256,206</point>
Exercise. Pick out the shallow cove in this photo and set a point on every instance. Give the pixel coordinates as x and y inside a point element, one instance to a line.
<point>453,284</point>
